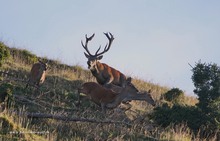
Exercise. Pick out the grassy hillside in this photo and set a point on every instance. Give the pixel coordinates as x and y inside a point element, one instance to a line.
<point>58,96</point>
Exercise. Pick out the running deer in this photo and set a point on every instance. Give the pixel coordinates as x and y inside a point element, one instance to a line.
<point>37,74</point>
<point>111,98</point>
<point>103,73</point>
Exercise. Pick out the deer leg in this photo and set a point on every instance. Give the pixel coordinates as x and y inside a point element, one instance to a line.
<point>113,104</point>
<point>78,97</point>
<point>109,80</point>
<point>26,86</point>
<point>38,83</point>
<point>103,108</point>
<point>117,101</point>
<point>127,106</point>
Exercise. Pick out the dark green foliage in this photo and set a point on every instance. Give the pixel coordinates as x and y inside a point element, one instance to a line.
<point>206,78</point>
<point>5,91</point>
<point>4,52</point>
<point>178,114</point>
<point>175,96</point>
<point>6,98</point>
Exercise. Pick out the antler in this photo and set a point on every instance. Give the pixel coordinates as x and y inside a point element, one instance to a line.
<point>107,46</point>
<point>85,46</point>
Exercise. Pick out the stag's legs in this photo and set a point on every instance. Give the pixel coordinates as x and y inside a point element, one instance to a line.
<point>27,84</point>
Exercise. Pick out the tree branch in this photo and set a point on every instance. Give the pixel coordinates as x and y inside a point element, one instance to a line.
<point>63,118</point>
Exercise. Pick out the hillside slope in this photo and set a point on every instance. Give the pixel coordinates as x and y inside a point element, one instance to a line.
<point>58,96</point>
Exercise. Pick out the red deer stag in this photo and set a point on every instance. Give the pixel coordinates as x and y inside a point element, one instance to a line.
<point>37,74</point>
<point>103,73</point>
<point>109,98</point>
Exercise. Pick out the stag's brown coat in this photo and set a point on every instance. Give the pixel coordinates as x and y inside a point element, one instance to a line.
<point>105,75</point>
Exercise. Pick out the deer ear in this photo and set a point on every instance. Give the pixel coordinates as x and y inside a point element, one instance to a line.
<point>129,79</point>
<point>39,60</point>
<point>99,58</point>
<point>87,56</point>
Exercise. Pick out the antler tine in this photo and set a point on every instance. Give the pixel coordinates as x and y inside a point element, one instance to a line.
<point>86,43</point>
<point>107,46</point>
<point>110,38</point>
<point>97,51</point>
<point>90,38</point>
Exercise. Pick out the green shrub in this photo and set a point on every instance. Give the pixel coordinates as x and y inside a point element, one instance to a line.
<point>178,114</point>
<point>175,96</point>
<point>6,90</point>
<point>4,53</point>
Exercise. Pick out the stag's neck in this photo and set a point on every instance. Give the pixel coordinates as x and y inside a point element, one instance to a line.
<point>97,72</point>
<point>98,69</point>
<point>99,66</point>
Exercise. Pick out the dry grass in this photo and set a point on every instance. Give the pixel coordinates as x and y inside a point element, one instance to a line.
<point>16,128</point>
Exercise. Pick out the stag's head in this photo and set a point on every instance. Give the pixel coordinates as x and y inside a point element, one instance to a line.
<point>93,59</point>
<point>44,65</point>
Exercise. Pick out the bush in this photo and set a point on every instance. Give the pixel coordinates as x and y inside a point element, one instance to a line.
<point>175,96</point>
<point>6,90</point>
<point>4,53</point>
<point>178,114</point>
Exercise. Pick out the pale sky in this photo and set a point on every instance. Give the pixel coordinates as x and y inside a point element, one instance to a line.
<point>154,39</point>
